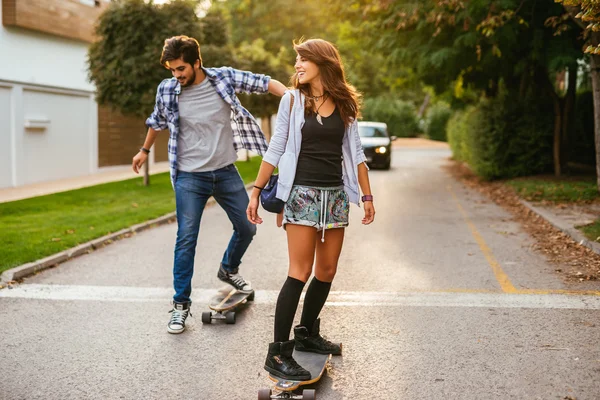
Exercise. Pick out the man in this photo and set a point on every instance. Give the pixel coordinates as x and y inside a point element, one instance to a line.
<point>207,125</point>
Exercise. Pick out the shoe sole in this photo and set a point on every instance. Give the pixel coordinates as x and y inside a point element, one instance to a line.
<point>175,331</point>
<point>278,374</point>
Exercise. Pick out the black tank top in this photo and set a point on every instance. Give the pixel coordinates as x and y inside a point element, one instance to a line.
<point>320,158</point>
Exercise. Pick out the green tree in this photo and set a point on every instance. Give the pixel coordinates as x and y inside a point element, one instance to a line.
<point>256,58</point>
<point>124,63</point>
<point>586,13</point>
<point>483,43</point>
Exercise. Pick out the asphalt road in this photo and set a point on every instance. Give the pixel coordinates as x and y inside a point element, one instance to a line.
<point>440,298</point>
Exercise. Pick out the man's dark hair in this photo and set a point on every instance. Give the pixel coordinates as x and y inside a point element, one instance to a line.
<point>183,47</point>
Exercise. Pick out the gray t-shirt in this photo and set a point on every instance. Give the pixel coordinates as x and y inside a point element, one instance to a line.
<point>205,140</point>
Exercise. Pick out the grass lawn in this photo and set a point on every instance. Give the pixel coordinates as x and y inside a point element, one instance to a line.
<point>560,191</point>
<point>38,227</point>
<point>556,190</point>
<point>592,231</point>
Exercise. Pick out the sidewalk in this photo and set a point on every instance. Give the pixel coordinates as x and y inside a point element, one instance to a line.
<point>108,174</point>
<point>567,218</point>
<point>105,175</point>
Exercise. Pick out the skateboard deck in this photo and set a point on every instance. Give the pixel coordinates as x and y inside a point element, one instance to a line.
<point>315,363</point>
<point>224,303</point>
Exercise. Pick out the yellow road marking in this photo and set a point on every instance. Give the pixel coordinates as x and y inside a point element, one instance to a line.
<point>501,277</point>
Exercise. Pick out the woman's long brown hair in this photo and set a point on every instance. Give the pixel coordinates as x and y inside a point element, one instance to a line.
<point>326,56</point>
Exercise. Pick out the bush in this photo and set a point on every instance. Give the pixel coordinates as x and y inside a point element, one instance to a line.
<point>437,121</point>
<point>457,134</point>
<point>504,137</point>
<point>400,116</point>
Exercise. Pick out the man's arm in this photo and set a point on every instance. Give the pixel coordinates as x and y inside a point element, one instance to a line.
<point>155,122</point>
<point>140,158</point>
<point>277,88</point>
<point>249,82</point>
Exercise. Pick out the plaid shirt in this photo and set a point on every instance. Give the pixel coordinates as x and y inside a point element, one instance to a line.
<point>227,82</point>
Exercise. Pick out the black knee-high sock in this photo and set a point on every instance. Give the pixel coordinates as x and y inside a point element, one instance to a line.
<point>287,304</point>
<point>316,296</point>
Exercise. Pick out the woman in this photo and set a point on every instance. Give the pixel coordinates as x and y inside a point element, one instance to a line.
<point>321,165</point>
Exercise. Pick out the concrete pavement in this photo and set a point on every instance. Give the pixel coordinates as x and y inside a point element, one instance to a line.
<point>441,298</point>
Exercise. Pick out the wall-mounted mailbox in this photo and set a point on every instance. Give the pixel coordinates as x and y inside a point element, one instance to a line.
<point>37,123</point>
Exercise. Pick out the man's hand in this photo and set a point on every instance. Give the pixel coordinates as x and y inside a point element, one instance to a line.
<point>369,212</point>
<point>138,160</point>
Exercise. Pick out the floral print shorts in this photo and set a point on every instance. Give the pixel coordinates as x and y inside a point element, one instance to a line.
<point>326,207</point>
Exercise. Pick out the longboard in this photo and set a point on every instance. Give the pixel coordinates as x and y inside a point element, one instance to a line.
<point>315,363</point>
<point>224,304</point>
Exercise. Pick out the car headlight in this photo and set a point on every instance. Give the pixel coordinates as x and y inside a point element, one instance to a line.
<point>381,150</point>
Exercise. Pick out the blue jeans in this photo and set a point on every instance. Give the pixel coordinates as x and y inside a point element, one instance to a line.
<point>192,191</point>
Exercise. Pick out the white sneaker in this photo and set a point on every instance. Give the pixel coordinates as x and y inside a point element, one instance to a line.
<point>179,313</point>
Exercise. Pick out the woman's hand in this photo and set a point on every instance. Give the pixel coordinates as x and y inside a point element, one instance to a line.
<point>252,211</point>
<point>369,212</point>
<point>280,219</point>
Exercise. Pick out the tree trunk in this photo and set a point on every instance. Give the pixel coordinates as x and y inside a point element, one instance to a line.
<point>568,111</point>
<point>557,134</point>
<point>147,173</point>
<point>595,73</point>
<point>423,106</point>
<point>558,104</point>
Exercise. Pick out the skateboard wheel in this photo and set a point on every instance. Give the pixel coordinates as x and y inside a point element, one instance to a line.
<point>264,394</point>
<point>251,297</point>
<point>309,394</point>
<point>230,317</point>
<point>206,317</point>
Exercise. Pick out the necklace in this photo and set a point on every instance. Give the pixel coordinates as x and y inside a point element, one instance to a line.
<point>316,98</point>
<point>319,120</point>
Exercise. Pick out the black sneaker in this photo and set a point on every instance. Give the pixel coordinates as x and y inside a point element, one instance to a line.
<point>234,280</point>
<point>313,342</point>
<point>280,362</point>
<point>179,313</point>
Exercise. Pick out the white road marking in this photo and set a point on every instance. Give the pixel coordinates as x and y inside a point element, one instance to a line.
<point>336,298</point>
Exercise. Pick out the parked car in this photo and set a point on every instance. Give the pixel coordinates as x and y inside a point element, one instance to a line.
<point>376,143</point>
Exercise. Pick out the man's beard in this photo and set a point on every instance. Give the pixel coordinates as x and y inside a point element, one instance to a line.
<point>190,81</point>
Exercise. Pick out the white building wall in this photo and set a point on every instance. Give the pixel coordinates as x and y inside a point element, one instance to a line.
<point>43,82</point>
<point>42,59</point>
<point>6,143</point>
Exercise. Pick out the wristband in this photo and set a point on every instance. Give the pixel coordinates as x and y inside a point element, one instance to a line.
<point>145,150</point>
<point>367,197</point>
<point>258,187</point>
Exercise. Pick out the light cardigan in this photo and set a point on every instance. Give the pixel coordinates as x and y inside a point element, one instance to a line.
<point>283,153</point>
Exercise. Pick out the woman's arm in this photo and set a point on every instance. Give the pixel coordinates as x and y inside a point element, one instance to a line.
<point>365,187</point>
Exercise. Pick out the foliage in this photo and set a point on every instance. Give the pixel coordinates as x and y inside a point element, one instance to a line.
<point>503,137</point>
<point>457,132</point>
<point>255,57</point>
<point>588,12</point>
<point>216,51</point>
<point>124,63</point>
<point>400,116</point>
<point>279,22</point>
<point>437,121</point>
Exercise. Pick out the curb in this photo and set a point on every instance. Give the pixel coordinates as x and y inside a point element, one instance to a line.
<point>31,268</point>
<point>564,227</point>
